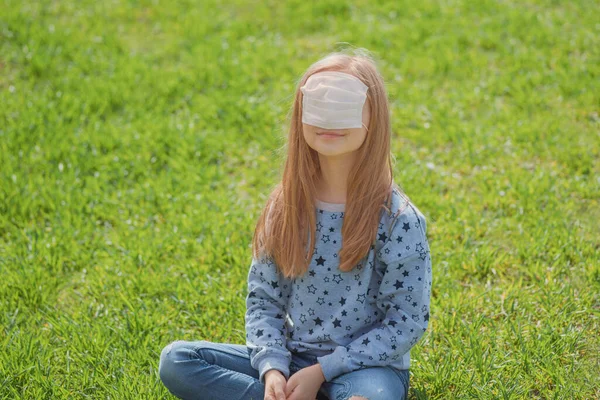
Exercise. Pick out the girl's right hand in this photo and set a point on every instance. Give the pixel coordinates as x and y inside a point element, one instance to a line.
<point>275,383</point>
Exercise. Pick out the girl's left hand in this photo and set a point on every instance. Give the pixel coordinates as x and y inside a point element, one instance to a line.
<point>305,384</point>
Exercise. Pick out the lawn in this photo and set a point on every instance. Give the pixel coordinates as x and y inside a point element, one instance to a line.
<point>139,140</point>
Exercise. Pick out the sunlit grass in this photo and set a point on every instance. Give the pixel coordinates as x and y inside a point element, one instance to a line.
<point>138,143</point>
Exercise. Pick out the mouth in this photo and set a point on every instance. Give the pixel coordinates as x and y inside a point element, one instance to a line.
<point>326,133</point>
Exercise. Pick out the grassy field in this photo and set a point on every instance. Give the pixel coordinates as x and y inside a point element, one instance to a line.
<point>138,142</point>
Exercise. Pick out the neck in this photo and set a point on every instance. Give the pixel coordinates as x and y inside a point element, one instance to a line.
<point>333,185</point>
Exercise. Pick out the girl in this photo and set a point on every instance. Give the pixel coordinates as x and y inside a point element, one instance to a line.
<point>325,320</point>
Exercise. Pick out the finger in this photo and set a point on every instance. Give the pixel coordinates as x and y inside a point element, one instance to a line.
<point>279,393</point>
<point>289,388</point>
<point>269,394</point>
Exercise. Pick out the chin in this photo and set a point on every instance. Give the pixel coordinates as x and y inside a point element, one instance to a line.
<point>332,152</point>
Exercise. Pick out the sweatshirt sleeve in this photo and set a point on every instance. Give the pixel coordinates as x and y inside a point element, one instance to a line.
<point>404,297</point>
<point>268,293</point>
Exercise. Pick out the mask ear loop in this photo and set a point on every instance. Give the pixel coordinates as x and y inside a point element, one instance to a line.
<point>363,124</point>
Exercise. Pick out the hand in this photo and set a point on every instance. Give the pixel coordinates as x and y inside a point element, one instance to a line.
<point>305,384</point>
<point>274,385</point>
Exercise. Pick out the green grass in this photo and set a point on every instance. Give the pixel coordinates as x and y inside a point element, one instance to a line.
<point>138,142</point>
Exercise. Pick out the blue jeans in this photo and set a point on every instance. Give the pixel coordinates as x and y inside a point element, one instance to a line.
<point>222,371</point>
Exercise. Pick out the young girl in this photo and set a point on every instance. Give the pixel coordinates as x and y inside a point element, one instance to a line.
<point>340,281</point>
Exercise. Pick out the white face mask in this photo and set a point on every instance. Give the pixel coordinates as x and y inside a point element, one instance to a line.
<point>333,99</point>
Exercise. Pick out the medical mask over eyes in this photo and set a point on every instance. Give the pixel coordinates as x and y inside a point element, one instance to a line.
<point>333,100</point>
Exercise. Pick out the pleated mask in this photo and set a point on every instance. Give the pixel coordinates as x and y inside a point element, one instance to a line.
<point>333,100</point>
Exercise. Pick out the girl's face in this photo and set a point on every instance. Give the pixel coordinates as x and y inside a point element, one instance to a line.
<point>349,139</point>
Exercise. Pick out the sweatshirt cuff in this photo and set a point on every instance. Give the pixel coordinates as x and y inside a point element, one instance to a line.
<point>279,363</point>
<point>334,364</point>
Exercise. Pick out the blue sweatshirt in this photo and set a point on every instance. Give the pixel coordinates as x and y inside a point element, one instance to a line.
<point>370,316</point>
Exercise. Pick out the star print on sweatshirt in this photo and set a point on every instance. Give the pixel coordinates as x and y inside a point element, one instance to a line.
<point>370,316</point>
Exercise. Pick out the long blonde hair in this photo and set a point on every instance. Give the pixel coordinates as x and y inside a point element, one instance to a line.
<point>289,217</point>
